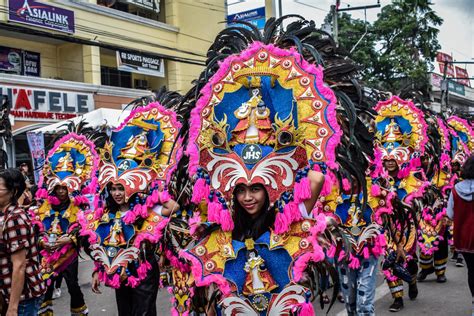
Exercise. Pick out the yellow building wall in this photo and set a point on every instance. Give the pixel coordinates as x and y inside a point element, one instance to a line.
<point>196,24</point>
<point>70,63</point>
<point>49,67</point>
<point>199,23</point>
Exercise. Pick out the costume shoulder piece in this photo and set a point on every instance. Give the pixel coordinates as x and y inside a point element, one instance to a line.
<point>265,117</point>
<point>71,163</point>
<point>139,155</point>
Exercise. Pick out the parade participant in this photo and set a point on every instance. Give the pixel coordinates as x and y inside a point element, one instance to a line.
<point>128,216</point>
<point>462,144</point>
<point>433,226</point>
<point>400,139</point>
<point>67,173</point>
<point>263,132</point>
<point>461,210</point>
<point>21,285</point>
<point>364,227</point>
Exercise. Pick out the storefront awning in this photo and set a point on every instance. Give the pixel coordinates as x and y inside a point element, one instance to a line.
<point>102,116</point>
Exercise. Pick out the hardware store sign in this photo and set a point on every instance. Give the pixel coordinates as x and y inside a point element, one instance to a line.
<point>36,104</point>
<point>42,15</point>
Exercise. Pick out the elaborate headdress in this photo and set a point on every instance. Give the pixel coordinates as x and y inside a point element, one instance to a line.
<point>265,117</point>
<point>140,154</point>
<point>462,140</point>
<point>401,133</point>
<point>72,163</point>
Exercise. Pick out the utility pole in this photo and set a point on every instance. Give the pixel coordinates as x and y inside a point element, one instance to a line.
<point>335,9</point>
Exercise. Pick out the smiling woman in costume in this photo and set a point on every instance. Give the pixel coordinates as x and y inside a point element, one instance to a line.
<point>261,148</point>
<point>131,206</point>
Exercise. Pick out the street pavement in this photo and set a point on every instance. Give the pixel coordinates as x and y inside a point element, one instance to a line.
<point>451,298</point>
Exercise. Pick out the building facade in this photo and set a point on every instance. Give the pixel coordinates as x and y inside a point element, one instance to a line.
<point>59,59</point>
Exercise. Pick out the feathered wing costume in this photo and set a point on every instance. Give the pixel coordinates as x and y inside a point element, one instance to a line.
<point>139,155</point>
<point>262,114</point>
<point>401,136</point>
<point>71,163</point>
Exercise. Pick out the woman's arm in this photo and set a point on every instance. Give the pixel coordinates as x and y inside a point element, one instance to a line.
<point>450,206</point>
<point>18,280</point>
<point>316,181</point>
<point>169,207</point>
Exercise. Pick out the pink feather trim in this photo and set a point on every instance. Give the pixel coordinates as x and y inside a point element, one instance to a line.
<point>214,210</point>
<point>282,223</point>
<point>225,220</point>
<point>53,200</point>
<point>200,191</point>
<point>302,190</point>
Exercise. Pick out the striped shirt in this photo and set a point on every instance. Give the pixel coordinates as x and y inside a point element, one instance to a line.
<point>16,233</point>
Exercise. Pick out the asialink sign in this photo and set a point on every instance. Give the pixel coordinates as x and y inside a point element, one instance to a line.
<point>42,15</point>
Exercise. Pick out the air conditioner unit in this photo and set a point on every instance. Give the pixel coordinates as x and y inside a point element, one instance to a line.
<point>141,84</point>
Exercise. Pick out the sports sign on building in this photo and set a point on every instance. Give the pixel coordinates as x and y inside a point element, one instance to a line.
<point>36,104</point>
<point>41,15</point>
<point>140,63</point>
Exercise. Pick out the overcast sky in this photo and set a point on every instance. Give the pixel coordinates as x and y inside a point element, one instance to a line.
<point>456,34</point>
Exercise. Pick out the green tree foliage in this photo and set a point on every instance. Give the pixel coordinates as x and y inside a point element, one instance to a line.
<point>398,46</point>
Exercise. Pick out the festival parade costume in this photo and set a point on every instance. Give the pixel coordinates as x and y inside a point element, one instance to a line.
<point>401,136</point>
<point>72,163</point>
<point>433,232</point>
<point>266,117</point>
<point>139,155</point>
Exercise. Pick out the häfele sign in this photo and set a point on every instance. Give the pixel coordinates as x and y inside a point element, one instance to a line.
<point>36,104</point>
<point>42,15</point>
<point>140,63</point>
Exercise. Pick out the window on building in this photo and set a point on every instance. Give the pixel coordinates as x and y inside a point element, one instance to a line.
<point>114,77</point>
<point>149,9</point>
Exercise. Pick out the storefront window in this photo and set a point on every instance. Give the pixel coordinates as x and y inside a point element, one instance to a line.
<point>113,77</point>
<point>149,9</point>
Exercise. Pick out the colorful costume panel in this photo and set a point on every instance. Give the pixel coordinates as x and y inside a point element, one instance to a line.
<point>71,164</point>
<point>264,118</point>
<point>138,156</point>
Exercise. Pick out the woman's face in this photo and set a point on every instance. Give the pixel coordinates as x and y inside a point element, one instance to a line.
<point>5,194</point>
<point>390,165</point>
<point>251,198</point>
<point>61,192</point>
<point>118,193</point>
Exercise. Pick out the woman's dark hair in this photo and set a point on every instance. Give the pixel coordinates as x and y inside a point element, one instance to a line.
<point>467,171</point>
<point>247,227</point>
<point>14,182</point>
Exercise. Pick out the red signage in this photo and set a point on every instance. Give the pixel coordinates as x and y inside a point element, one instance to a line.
<point>441,58</point>
<point>31,104</point>
<point>462,76</point>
